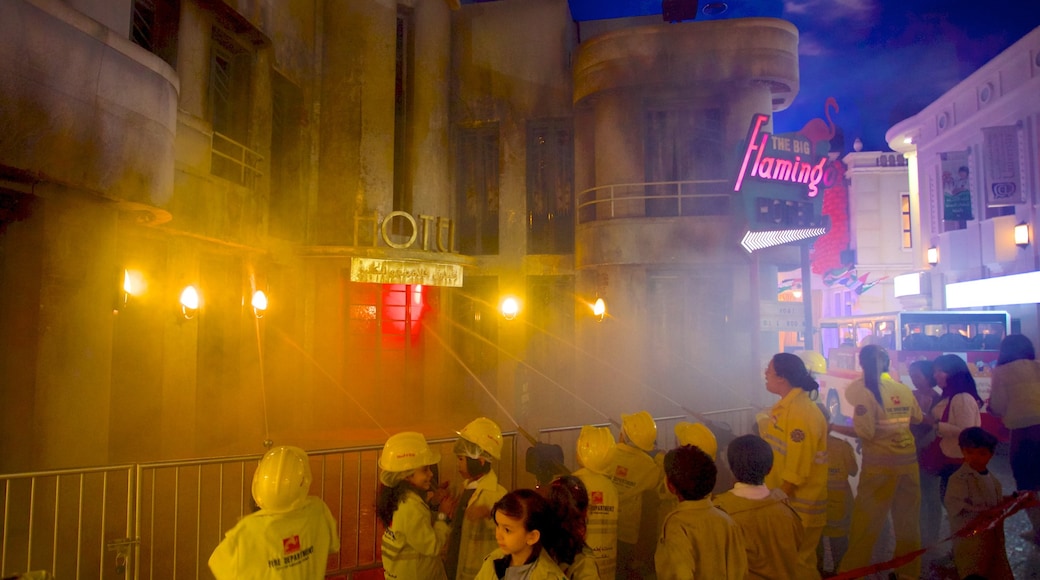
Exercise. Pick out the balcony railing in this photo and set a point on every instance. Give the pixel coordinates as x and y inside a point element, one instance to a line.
<point>235,162</point>
<point>655,199</point>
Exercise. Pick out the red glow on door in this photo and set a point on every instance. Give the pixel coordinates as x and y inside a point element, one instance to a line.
<point>403,308</point>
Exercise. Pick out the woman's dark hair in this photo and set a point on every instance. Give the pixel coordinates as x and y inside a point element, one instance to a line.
<point>791,368</point>
<point>1015,347</point>
<point>961,382</point>
<point>390,497</point>
<point>926,369</point>
<point>949,364</point>
<point>570,502</point>
<point>873,360</point>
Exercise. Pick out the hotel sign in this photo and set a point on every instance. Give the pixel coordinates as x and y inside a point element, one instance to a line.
<point>780,159</point>
<point>379,271</point>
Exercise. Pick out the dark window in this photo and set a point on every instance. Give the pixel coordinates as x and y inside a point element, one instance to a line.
<point>908,241</point>
<point>288,164</point>
<point>550,187</point>
<point>477,190</point>
<point>405,51</point>
<point>684,145</point>
<point>475,336</point>
<point>154,25</point>
<point>230,103</point>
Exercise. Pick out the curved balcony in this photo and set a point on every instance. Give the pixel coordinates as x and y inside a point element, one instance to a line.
<point>85,107</point>
<point>664,222</point>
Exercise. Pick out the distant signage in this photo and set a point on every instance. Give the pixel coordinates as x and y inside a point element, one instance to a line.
<point>1000,155</point>
<point>782,316</point>
<point>378,271</point>
<point>780,159</point>
<point>956,186</point>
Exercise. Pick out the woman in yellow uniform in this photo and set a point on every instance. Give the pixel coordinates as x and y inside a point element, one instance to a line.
<point>889,483</point>
<point>797,431</point>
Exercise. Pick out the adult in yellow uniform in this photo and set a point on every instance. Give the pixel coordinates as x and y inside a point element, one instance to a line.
<point>636,476</point>
<point>889,482</point>
<point>797,431</point>
<point>596,448</point>
<point>290,537</point>
<point>473,530</point>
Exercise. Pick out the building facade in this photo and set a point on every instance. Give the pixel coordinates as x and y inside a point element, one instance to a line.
<point>384,172</point>
<point>974,165</point>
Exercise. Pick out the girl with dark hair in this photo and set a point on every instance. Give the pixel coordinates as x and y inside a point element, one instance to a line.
<point>889,482</point>
<point>524,525</point>
<point>570,502</point>
<point>797,431</point>
<point>1015,396</point>
<point>957,409</point>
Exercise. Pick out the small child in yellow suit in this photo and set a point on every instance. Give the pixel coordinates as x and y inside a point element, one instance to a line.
<point>772,529</point>
<point>841,465</point>
<point>972,490</point>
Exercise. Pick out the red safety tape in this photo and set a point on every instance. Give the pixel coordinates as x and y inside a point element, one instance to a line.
<point>987,520</point>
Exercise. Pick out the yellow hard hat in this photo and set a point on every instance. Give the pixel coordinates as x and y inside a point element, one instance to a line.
<point>282,480</point>
<point>407,451</point>
<point>640,429</point>
<point>486,434</point>
<point>698,435</point>
<point>814,361</point>
<point>596,447</point>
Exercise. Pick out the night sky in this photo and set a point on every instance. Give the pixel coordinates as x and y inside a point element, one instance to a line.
<point>883,60</point>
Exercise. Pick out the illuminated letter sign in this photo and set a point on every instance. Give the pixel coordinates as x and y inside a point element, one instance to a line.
<point>768,158</point>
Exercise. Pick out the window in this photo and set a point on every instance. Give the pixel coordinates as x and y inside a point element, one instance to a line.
<point>684,145</point>
<point>907,227</point>
<point>154,25</point>
<point>477,190</point>
<point>230,104</point>
<point>405,51</point>
<point>288,164</point>
<point>550,187</point>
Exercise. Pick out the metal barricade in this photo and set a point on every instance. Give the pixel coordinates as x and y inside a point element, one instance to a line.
<point>162,520</point>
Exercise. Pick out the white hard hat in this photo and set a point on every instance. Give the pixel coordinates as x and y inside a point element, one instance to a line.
<point>640,429</point>
<point>407,451</point>
<point>596,448</point>
<point>486,434</point>
<point>698,435</point>
<point>282,480</point>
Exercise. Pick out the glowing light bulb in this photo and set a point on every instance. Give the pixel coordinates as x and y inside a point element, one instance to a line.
<point>259,303</point>
<point>189,301</point>
<point>510,308</point>
<point>599,309</point>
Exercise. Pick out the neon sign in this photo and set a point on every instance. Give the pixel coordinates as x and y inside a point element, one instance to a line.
<point>778,166</point>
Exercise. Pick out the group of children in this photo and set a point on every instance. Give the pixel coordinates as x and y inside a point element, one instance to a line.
<point>591,524</point>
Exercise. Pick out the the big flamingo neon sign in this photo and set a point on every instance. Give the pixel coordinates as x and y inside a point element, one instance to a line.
<point>801,169</point>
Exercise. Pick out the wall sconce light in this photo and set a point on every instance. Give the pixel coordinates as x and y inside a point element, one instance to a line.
<point>599,310</point>
<point>189,302</point>
<point>933,256</point>
<point>259,303</point>
<point>510,307</point>
<point>1022,235</point>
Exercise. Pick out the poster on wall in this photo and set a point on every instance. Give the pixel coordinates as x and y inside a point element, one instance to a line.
<point>956,186</point>
<point>1000,158</point>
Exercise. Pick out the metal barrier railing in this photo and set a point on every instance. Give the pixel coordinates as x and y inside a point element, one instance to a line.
<point>709,197</point>
<point>163,519</point>
<point>234,161</point>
